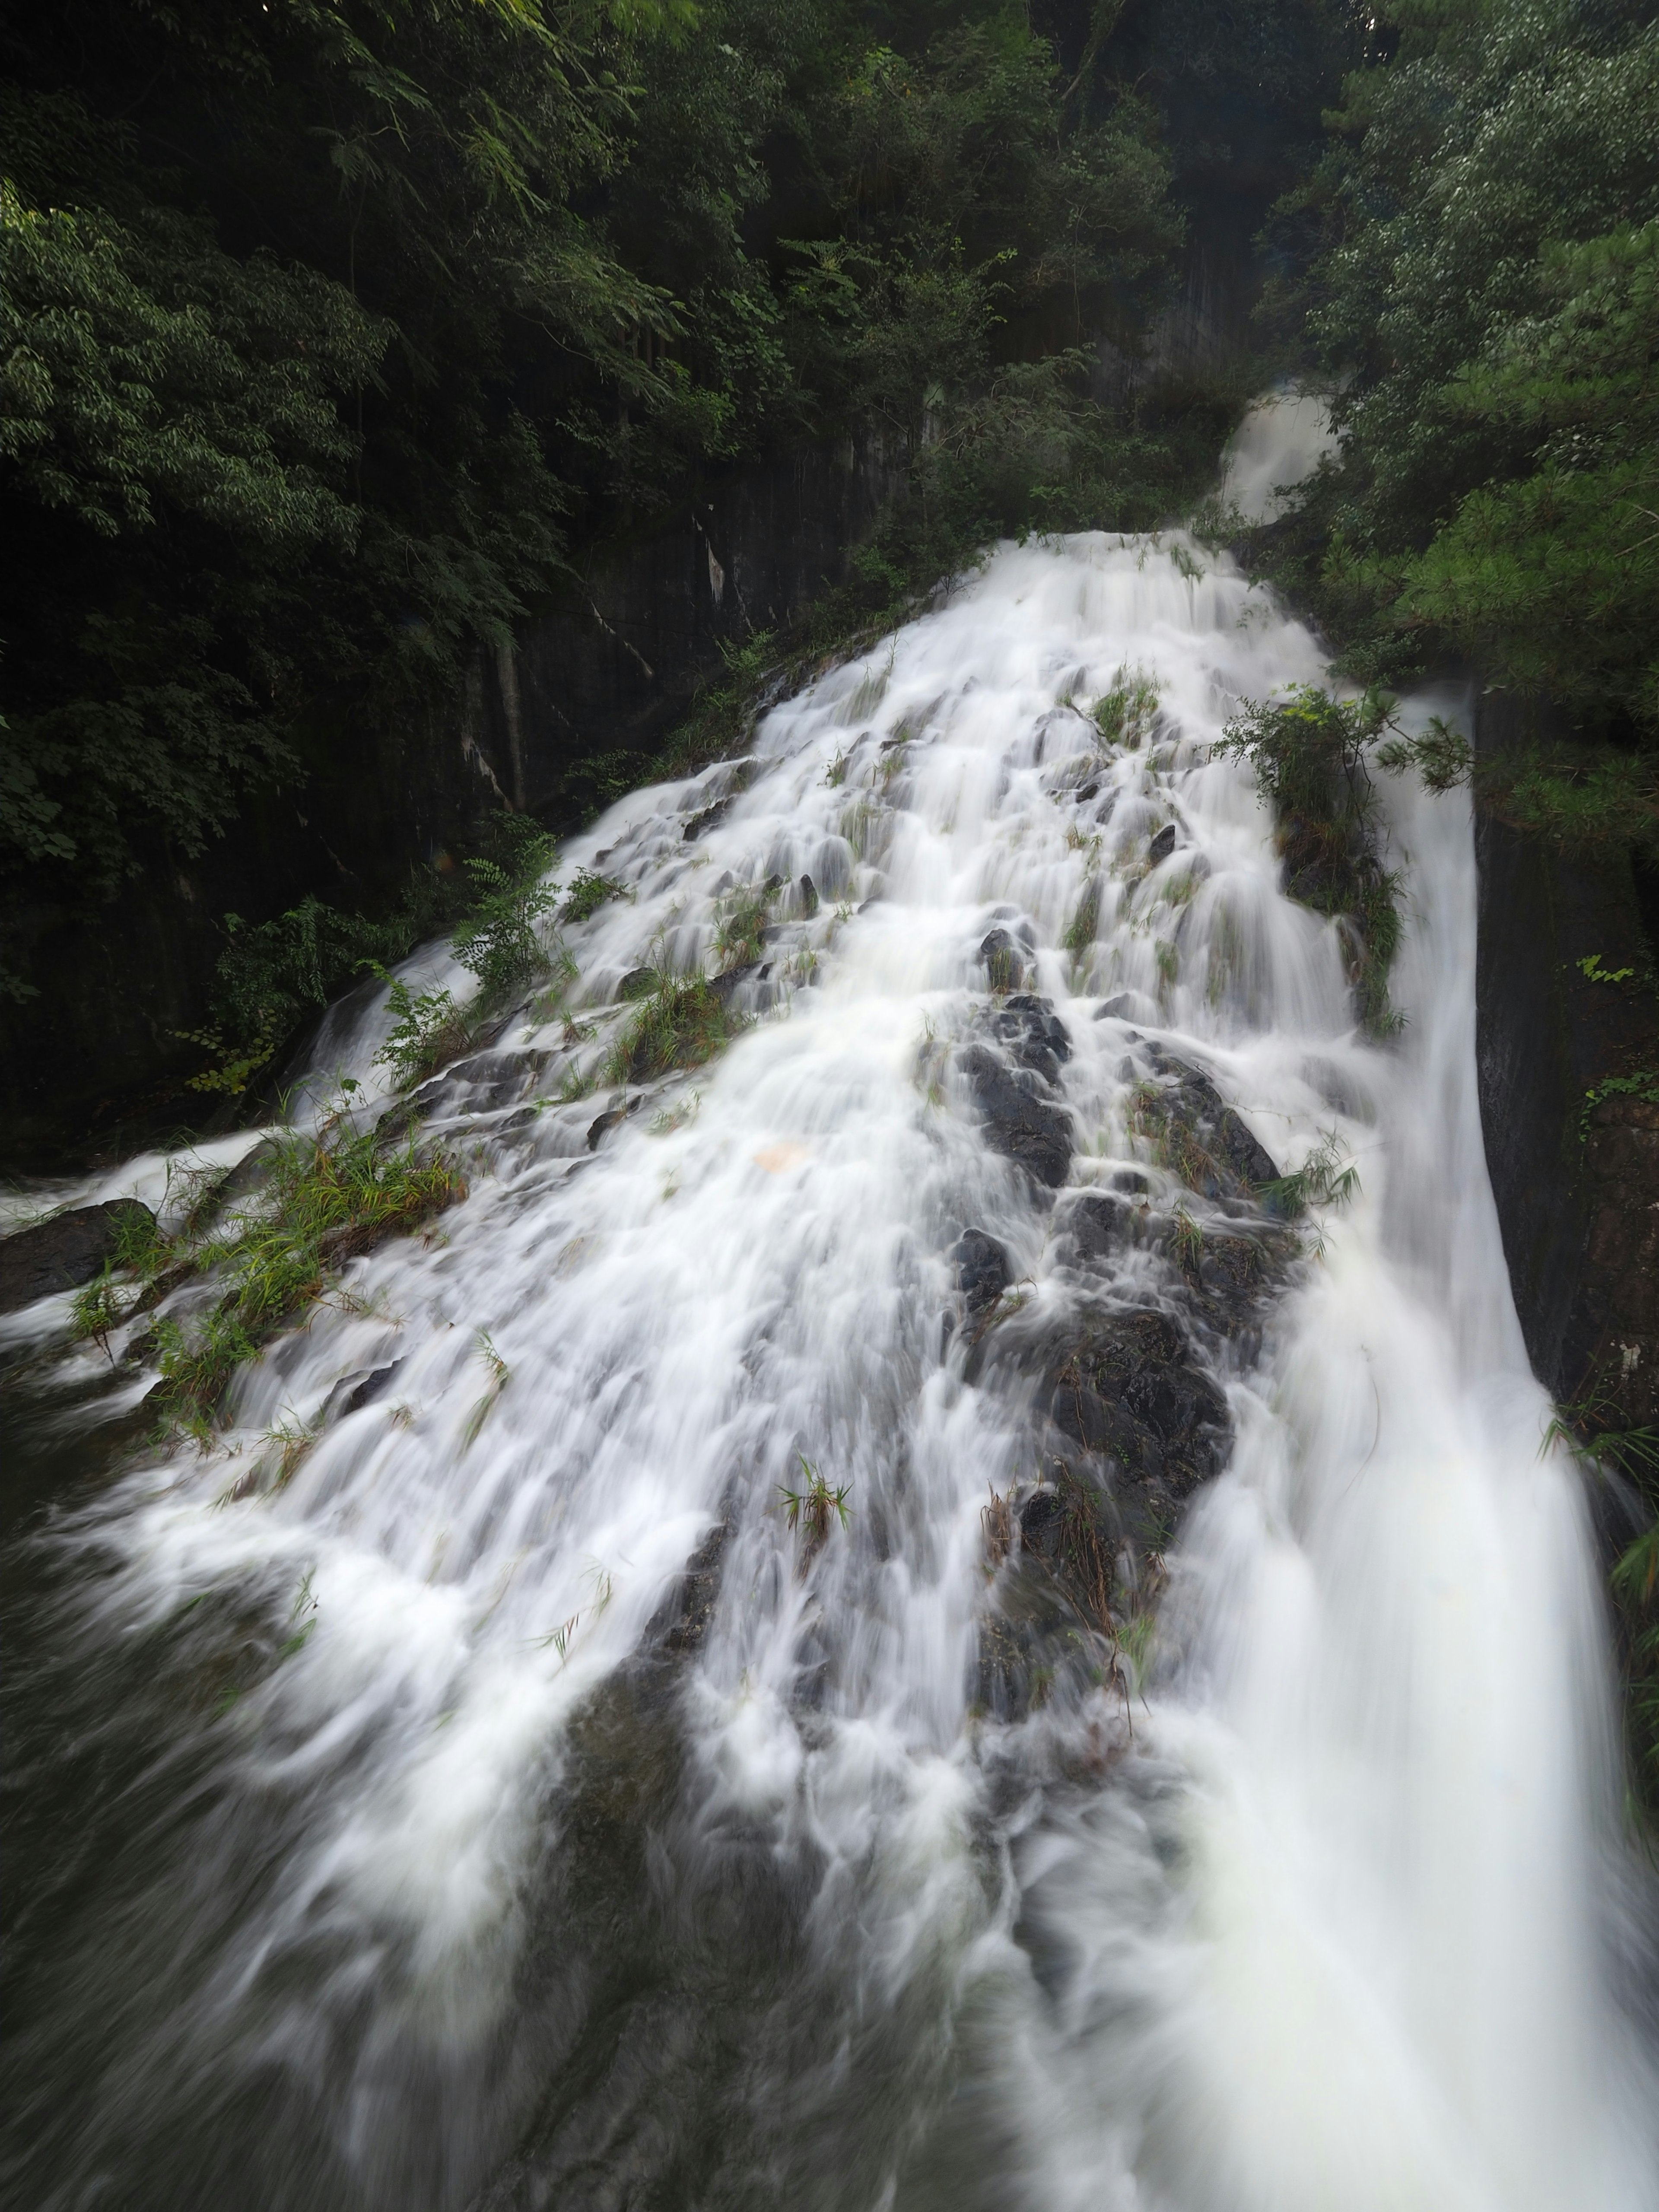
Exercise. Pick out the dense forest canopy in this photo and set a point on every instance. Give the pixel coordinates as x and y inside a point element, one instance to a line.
<point>330,329</point>
<point>1486,293</point>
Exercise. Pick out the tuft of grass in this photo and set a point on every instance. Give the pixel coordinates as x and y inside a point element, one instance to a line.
<point>740,927</point>
<point>426,1032</point>
<point>500,1375</point>
<point>587,894</point>
<point>1188,1240</point>
<point>330,1194</point>
<point>681,1024</point>
<point>1080,930</point>
<point>812,1508</point>
<point>997,1519</point>
<point>1124,715</point>
<point>1324,1178</point>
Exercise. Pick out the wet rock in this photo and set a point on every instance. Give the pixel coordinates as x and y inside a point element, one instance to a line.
<point>1028,1030</point>
<point>1042,1524</point>
<point>612,1118</point>
<point>1163,845</point>
<point>1197,1134</point>
<point>638,983</point>
<point>751,971</point>
<point>1019,1122</point>
<point>981,1266</point>
<point>1123,1406</point>
<point>809,897</point>
<point>250,1174</point>
<point>495,1079</point>
<point>707,819</point>
<point>1126,1386</point>
<point>683,1620</point>
<point>1004,960</point>
<point>353,1392</point>
<point>1099,1223</point>
<point>65,1253</point>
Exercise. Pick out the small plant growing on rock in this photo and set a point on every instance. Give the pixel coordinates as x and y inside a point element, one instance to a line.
<point>812,1508</point>
<point>1324,1178</point>
<point>425,1032</point>
<point>681,1024</point>
<point>1081,930</point>
<point>1125,714</point>
<point>588,893</point>
<point>1309,752</point>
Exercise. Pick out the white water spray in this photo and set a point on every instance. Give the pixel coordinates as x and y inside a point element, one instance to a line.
<point>1324,1933</point>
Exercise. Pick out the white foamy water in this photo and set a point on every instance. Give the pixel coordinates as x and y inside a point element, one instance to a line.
<point>1318,1923</point>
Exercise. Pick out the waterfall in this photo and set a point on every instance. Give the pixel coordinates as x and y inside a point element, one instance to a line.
<point>516,1801</point>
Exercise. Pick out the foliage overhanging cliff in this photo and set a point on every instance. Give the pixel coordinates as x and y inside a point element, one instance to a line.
<point>1482,243</point>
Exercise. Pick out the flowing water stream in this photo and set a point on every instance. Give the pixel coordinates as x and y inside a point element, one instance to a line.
<point>509,1809</point>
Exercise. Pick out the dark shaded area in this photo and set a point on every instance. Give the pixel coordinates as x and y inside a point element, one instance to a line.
<point>65,1252</point>
<point>1574,1164</point>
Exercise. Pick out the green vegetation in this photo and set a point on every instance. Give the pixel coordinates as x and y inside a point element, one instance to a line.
<point>1125,715</point>
<point>329,1196</point>
<point>426,1032</point>
<point>330,331</point>
<point>587,894</point>
<point>1309,754</point>
<point>1488,293</point>
<point>683,1023</point>
<point>1324,1178</point>
<point>813,1507</point>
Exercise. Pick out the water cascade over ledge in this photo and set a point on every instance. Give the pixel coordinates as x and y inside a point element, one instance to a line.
<point>1163,1759</point>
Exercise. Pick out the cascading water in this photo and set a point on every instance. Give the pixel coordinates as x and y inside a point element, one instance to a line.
<point>511,1807</point>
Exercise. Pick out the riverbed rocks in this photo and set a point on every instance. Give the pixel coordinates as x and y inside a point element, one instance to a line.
<point>1011,1068</point>
<point>1194,1131</point>
<point>983,1270</point>
<point>65,1252</point>
<point>1126,1420</point>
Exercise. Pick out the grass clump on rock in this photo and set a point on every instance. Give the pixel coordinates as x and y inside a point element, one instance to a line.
<point>681,1024</point>
<point>330,1195</point>
<point>1308,751</point>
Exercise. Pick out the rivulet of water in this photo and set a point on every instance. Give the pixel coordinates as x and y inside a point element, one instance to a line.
<point>409,1832</point>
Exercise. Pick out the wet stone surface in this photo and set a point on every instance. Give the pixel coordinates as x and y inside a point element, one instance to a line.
<point>63,1254</point>
<point>1014,1084</point>
<point>1194,1132</point>
<point>981,1267</point>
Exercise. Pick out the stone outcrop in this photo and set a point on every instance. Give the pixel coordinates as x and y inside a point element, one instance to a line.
<point>65,1252</point>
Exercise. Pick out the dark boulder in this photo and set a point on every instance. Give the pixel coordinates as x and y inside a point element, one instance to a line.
<point>1098,1225</point>
<point>66,1252</point>
<point>1121,1402</point>
<point>730,980</point>
<point>1197,1135</point>
<point>1020,1123</point>
<point>250,1174</point>
<point>1029,1032</point>
<point>612,1118</point>
<point>1004,960</point>
<point>1163,845</point>
<point>981,1270</point>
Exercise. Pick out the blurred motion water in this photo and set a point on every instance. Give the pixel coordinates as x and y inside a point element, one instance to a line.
<point>511,1808</point>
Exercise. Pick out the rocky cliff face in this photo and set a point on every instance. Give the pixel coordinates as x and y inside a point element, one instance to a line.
<point>1567,1046</point>
<point>606,668</point>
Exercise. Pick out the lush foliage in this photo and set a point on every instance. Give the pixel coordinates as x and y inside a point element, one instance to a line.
<point>327,1195</point>
<point>1490,297</point>
<point>1312,754</point>
<point>328,327</point>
